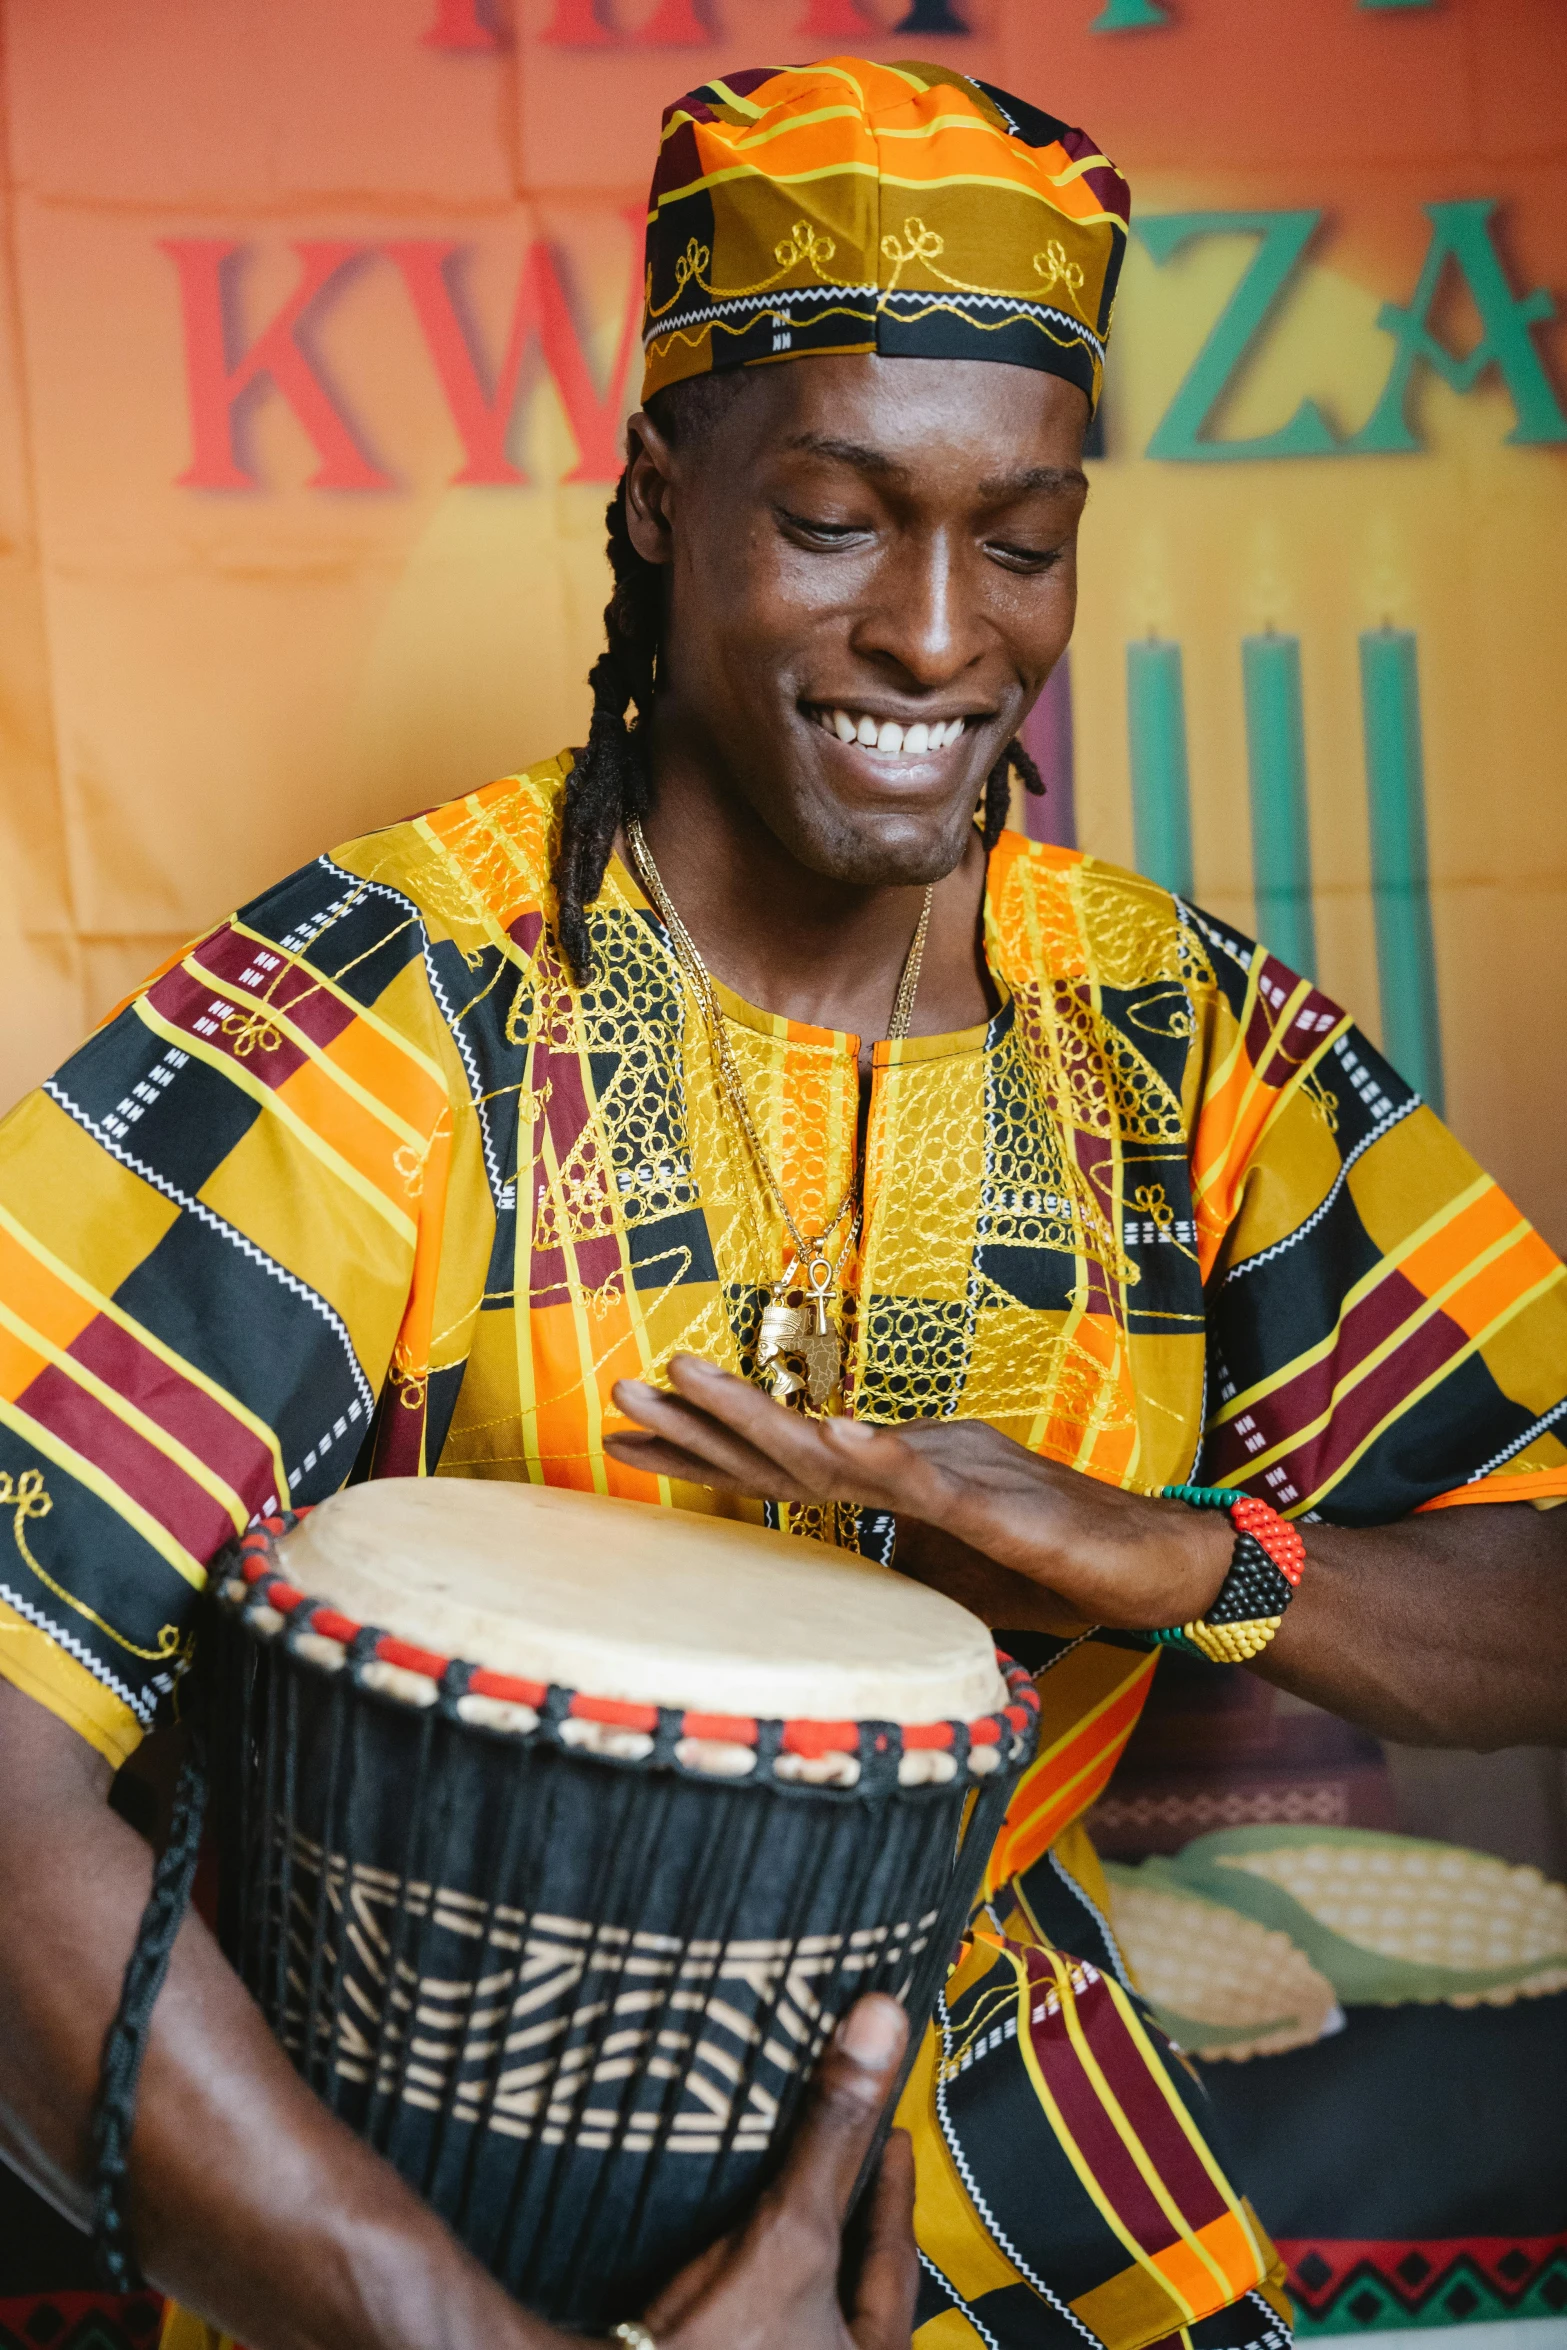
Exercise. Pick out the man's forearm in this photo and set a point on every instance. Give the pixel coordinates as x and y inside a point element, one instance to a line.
<point>249,2201</point>
<point>1448,1629</point>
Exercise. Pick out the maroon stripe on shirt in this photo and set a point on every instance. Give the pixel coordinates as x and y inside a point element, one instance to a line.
<point>243,1036</point>
<point>569,1117</point>
<point>141,1471</point>
<point>1097,2138</point>
<point>285,986</point>
<point>1092,1154</point>
<point>1164,2141</point>
<point>1295,1404</point>
<point>1427,1350</point>
<point>1276,1053</point>
<point>186,1411</point>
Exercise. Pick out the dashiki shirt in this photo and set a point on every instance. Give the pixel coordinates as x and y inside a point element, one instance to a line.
<point>361,1185</point>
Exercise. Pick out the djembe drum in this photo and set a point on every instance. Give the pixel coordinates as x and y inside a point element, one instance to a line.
<point>562,1928</point>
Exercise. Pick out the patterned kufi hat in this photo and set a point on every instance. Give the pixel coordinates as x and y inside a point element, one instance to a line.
<point>902,209</point>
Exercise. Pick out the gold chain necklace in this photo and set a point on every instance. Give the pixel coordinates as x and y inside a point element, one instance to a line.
<point>800,1347</point>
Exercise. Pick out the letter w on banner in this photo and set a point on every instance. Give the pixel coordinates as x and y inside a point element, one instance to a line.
<point>484,418</point>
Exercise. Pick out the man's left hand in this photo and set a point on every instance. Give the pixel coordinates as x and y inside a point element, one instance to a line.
<point>1022,1541</point>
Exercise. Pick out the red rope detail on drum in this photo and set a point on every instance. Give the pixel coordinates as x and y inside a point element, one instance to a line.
<point>487,1684</point>
<point>618,1711</point>
<point>332,1626</point>
<point>815,1738</point>
<point>806,1738</point>
<point>725,1729</point>
<point>392,1651</point>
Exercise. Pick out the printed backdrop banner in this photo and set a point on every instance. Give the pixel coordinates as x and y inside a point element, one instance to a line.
<point>318,329</point>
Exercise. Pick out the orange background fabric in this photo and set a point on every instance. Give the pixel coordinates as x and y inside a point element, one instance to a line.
<point>200,686</point>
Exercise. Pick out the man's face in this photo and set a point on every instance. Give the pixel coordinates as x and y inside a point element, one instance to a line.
<point>863,548</point>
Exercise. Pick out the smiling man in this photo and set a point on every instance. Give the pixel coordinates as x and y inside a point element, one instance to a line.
<point>746,1050</point>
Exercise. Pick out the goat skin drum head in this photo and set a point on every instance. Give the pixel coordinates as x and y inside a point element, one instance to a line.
<point>655,1606</point>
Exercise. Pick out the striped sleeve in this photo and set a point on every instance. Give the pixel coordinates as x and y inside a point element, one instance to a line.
<point>1386,1331</point>
<point>212,1223</point>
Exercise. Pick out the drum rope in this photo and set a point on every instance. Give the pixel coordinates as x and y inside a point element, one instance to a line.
<point>727,1856</point>
<point>637,1840</point>
<point>125,2044</point>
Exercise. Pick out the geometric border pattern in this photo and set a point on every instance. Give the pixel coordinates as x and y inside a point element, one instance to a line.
<point>1341,2286</point>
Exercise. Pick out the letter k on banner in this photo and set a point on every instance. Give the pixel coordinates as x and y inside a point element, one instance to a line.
<point>218,382</point>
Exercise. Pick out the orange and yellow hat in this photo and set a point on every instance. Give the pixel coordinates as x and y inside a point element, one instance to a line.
<point>902,209</point>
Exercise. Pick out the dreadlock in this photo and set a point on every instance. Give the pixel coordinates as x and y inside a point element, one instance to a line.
<point>609,778</point>
<point>998,789</point>
<point>609,781</point>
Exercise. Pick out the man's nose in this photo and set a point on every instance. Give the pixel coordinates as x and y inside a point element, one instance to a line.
<point>924,616</point>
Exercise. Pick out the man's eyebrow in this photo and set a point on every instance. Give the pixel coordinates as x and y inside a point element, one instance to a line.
<point>1052,480</point>
<point>859,454</point>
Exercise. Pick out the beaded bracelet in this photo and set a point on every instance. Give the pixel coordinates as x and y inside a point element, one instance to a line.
<point>1265,1567</point>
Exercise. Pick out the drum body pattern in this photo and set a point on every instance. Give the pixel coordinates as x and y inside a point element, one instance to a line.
<point>568,1964</point>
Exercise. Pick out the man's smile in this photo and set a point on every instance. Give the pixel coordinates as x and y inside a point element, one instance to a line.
<point>887,738</point>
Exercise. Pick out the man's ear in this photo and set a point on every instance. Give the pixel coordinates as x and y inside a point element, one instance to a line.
<point>650,485</point>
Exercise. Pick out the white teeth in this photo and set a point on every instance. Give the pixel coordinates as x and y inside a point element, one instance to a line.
<point>887,736</point>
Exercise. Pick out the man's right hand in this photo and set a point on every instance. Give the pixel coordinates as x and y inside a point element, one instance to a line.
<point>774,2284</point>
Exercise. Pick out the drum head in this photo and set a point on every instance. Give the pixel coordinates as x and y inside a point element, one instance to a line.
<point>657,1606</point>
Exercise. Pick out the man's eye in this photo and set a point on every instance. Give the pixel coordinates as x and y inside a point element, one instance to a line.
<point>824,534</point>
<point>1028,559</point>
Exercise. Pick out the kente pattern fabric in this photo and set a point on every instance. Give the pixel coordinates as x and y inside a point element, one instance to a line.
<point>902,209</point>
<point>361,1184</point>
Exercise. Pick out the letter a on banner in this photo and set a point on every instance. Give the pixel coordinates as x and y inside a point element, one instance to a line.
<point>218,383</point>
<point>674,24</point>
<point>459,25</point>
<point>1460,234</point>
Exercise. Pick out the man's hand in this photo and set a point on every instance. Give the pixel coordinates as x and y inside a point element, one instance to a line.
<point>773,2285</point>
<point>1021,1541</point>
<point>1447,1628</point>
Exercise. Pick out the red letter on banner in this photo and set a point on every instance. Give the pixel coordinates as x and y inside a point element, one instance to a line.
<point>215,385</point>
<point>674,24</point>
<point>458,25</point>
<point>484,421</point>
<point>832,20</point>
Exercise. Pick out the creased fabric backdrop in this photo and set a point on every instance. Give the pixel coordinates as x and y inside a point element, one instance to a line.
<point>316,331</point>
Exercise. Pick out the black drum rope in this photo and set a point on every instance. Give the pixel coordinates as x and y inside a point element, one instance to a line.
<point>387,2065</point>
<point>637,1841</point>
<point>977,1837</point>
<point>727,1857</point>
<point>319,2029</point>
<point>837,1831</point>
<point>125,2044</point>
<point>541,1817</point>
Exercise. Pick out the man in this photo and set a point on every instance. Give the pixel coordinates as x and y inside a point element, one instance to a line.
<point>574,1083</point>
